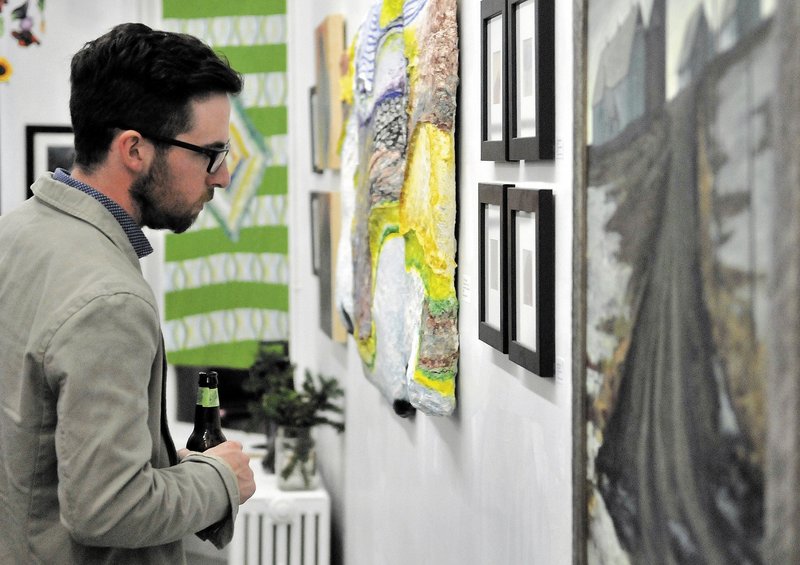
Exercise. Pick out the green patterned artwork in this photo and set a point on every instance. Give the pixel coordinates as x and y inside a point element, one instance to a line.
<point>226,279</point>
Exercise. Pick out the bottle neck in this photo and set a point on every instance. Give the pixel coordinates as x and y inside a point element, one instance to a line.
<point>207,397</point>
<point>204,416</point>
<point>207,406</point>
<point>206,411</point>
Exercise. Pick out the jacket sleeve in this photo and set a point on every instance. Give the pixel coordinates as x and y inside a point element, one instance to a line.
<point>219,533</point>
<point>98,362</point>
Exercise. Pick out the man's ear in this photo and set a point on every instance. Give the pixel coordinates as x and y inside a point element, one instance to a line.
<point>132,151</point>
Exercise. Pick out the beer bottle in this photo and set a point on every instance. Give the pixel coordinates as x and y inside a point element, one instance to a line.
<point>207,428</point>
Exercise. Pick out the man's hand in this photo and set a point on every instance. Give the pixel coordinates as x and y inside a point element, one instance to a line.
<point>231,452</point>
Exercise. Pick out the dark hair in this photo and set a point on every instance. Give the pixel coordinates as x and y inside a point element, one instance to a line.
<point>137,77</point>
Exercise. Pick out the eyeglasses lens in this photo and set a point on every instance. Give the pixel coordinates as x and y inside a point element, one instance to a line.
<point>216,163</point>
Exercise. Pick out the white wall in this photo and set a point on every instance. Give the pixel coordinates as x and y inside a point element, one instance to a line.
<point>491,484</point>
<point>38,92</point>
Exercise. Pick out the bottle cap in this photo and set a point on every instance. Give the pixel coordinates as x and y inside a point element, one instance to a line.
<point>208,379</point>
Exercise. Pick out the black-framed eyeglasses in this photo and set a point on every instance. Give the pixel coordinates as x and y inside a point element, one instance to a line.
<point>216,156</point>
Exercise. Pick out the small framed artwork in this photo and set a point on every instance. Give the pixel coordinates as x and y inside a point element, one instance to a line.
<point>317,207</point>
<point>531,279</point>
<point>531,64</point>
<point>313,112</point>
<point>494,81</point>
<point>325,231</point>
<point>329,38</point>
<point>46,149</point>
<point>492,326</point>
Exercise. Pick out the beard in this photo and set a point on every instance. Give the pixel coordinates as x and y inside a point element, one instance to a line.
<point>158,207</point>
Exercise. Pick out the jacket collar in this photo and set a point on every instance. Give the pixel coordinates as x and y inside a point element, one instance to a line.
<point>83,207</point>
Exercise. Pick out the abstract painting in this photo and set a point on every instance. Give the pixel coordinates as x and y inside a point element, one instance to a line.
<point>679,200</point>
<point>329,38</point>
<point>398,196</point>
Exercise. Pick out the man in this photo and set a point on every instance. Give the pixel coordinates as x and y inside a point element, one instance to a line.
<point>88,471</point>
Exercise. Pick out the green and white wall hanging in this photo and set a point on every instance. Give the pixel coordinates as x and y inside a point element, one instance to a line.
<point>227,277</point>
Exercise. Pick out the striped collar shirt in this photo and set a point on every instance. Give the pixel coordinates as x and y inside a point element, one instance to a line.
<point>135,235</point>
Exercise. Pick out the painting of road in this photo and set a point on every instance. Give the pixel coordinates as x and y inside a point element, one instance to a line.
<point>679,207</point>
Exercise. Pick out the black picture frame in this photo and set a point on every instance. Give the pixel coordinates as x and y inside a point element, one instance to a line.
<point>493,265</point>
<point>317,207</point>
<point>530,102</point>
<point>47,147</point>
<point>313,112</point>
<point>494,81</point>
<point>531,279</point>
<point>325,231</point>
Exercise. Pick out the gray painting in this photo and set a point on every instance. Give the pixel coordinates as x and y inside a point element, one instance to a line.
<point>679,207</point>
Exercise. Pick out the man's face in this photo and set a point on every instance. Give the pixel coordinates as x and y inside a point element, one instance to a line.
<point>172,192</point>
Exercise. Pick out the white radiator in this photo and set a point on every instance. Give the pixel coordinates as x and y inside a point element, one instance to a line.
<point>289,529</point>
<point>274,527</point>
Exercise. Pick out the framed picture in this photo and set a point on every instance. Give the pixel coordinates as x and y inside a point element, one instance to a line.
<point>580,490</point>
<point>531,279</point>
<point>329,37</point>
<point>317,207</point>
<point>46,149</point>
<point>531,79</point>
<point>494,81</point>
<point>313,112</point>
<point>492,327</point>
<point>665,347</point>
<point>325,231</point>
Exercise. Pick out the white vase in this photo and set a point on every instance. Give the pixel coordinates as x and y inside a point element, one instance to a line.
<point>296,458</point>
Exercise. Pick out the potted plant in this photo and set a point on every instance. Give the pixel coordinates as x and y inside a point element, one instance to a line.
<point>297,413</point>
<point>270,372</point>
<point>294,413</point>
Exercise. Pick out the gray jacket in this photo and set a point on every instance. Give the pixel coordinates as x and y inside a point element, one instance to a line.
<point>86,462</point>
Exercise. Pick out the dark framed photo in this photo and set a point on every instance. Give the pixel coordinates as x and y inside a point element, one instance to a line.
<point>46,149</point>
<point>531,279</point>
<point>318,207</point>
<point>492,234</point>
<point>313,112</point>
<point>531,79</point>
<point>325,231</point>
<point>494,81</point>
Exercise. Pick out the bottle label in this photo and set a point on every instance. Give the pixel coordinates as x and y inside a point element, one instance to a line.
<point>207,397</point>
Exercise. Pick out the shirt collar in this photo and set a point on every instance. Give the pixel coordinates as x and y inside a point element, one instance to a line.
<point>138,240</point>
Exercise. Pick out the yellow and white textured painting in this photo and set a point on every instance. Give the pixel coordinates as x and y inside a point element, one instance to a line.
<point>396,275</point>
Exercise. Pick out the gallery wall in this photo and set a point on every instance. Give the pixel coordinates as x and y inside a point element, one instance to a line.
<point>38,90</point>
<point>492,482</point>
